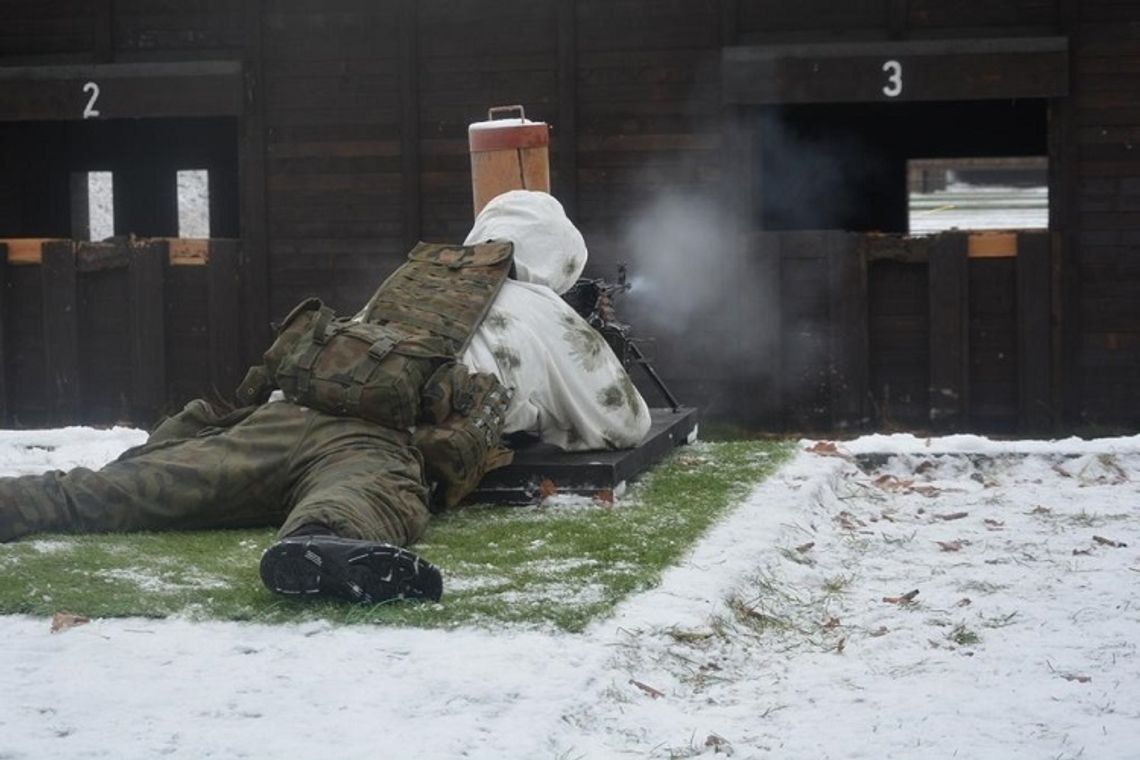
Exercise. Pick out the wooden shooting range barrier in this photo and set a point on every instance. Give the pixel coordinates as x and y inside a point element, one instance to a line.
<point>122,331</point>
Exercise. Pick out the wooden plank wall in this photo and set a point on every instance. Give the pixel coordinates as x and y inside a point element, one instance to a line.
<point>648,114</point>
<point>357,110</point>
<point>1107,105</point>
<point>59,31</point>
<point>90,333</point>
<point>333,171</point>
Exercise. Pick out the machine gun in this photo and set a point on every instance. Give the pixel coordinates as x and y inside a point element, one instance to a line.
<point>594,299</point>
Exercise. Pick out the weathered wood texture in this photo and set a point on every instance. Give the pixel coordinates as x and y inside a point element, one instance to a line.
<point>351,120</point>
<point>898,298</point>
<point>103,333</point>
<point>333,148</point>
<point>1105,261</point>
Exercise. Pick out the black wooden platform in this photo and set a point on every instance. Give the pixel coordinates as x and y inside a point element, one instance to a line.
<point>587,472</point>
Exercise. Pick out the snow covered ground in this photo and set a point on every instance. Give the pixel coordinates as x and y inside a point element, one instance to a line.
<point>888,597</point>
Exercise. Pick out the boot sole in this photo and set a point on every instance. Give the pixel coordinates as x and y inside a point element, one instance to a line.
<point>356,571</point>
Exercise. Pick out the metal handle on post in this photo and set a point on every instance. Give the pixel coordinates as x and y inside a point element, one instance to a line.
<point>491,112</point>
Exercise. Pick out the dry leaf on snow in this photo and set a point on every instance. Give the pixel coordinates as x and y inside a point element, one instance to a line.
<point>1109,542</point>
<point>62,621</point>
<point>805,547</point>
<point>655,693</point>
<point>1076,677</point>
<point>826,449</point>
<point>953,516</point>
<point>951,546</point>
<point>906,598</point>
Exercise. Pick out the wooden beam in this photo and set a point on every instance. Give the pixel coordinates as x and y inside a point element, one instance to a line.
<point>412,214</point>
<point>188,252</point>
<point>223,289</point>
<point>120,90</point>
<point>850,341</point>
<point>566,131</point>
<point>147,274</point>
<point>252,174</point>
<point>729,22</point>
<point>992,245</point>
<point>1064,222</point>
<point>104,47</point>
<point>910,70</point>
<point>1034,333</point>
<point>897,11</point>
<point>61,331</point>
<point>949,332</point>
<point>25,251</point>
<point>765,249</point>
<point>80,207</point>
<point>4,322</point>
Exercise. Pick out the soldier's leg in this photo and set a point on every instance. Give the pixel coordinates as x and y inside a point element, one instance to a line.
<point>364,485</point>
<point>233,478</point>
<point>360,480</point>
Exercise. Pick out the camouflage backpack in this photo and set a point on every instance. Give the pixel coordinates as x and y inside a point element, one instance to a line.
<point>394,364</point>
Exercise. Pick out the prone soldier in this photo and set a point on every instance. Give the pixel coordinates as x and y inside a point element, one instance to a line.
<point>354,430</point>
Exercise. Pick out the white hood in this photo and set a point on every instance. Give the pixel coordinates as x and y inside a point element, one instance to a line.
<point>549,250</point>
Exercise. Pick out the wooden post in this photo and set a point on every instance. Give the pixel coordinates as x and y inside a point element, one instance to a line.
<point>896,18</point>
<point>765,248</point>
<point>61,330</point>
<point>849,332</point>
<point>949,332</point>
<point>251,167</point>
<point>147,273</point>
<point>223,277</point>
<point>566,130</point>
<point>1064,222</point>
<point>409,67</point>
<point>80,207</point>
<point>3,330</point>
<point>104,36</point>
<point>1034,333</point>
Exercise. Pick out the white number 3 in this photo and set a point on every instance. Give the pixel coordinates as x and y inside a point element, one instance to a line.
<point>90,112</point>
<point>893,88</point>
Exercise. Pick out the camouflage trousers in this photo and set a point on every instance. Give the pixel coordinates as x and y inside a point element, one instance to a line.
<point>276,464</point>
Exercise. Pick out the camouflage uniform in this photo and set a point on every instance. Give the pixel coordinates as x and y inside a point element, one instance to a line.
<point>260,466</point>
<point>357,472</point>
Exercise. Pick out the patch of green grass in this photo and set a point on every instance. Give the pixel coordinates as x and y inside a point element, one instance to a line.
<point>561,566</point>
<point>963,636</point>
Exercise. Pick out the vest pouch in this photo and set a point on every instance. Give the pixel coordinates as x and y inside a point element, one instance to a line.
<point>360,369</point>
<point>461,449</point>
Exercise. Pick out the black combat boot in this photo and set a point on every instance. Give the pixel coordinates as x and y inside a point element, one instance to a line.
<point>366,572</point>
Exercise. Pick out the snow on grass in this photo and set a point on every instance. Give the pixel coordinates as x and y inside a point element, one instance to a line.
<point>792,630</point>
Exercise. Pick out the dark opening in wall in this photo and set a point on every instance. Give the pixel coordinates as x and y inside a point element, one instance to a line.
<point>844,166</point>
<point>41,194</point>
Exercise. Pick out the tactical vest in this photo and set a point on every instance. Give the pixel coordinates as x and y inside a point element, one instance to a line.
<point>376,365</point>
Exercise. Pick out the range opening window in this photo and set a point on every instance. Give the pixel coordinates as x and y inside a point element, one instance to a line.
<point>977,194</point>
<point>193,203</point>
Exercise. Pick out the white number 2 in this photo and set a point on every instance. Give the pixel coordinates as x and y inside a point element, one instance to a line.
<point>893,88</point>
<point>90,111</point>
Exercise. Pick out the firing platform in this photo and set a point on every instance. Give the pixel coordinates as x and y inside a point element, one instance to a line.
<point>588,472</point>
